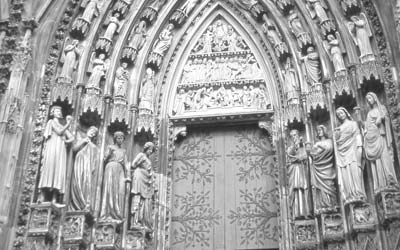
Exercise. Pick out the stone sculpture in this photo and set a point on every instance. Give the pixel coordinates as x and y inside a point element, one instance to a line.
<point>142,188</point>
<point>378,144</point>
<point>54,161</point>
<point>349,157</point>
<point>86,165</point>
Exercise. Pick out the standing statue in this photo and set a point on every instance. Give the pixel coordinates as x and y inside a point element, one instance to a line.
<point>99,69</point>
<point>361,33</point>
<point>86,164</point>
<point>317,8</point>
<point>335,49</point>
<point>69,59</point>
<point>54,161</point>
<point>91,9</point>
<point>113,26</point>
<point>147,91</point>
<point>138,36</point>
<point>142,188</point>
<point>378,144</point>
<point>164,40</point>
<point>121,81</point>
<point>298,30</point>
<point>188,6</point>
<point>113,195</point>
<point>349,157</point>
<point>298,176</point>
<point>311,66</point>
<point>291,83</point>
<point>324,173</point>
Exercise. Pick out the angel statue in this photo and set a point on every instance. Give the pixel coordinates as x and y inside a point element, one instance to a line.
<point>361,33</point>
<point>311,66</point>
<point>69,58</point>
<point>138,36</point>
<point>99,68</point>
<point>334,47</point>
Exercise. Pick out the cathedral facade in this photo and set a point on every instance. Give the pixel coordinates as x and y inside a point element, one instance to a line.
<point>214,124</point>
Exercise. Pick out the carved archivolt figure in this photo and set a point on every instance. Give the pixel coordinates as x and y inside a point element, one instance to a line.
<point>147,91</point>
<point>324,172</point>
<point>142,188</point>
<point>86,164</point>
<point>335,49</point>
<point>121,81</point>
<point>91,10</point>
<point>113,26</point>
<point>164,40</point>
<point>189,6</point>
<point>318,8</point>
<point>69,59</point>
<point>311,66</point>
<point>54,163</point>
<point>291,83</point>
<point>349,157</point>
<point>298,176</point>
<point>361,33</point>
<point>378,144</point>
<point>138,36</point>
<point>100,67</point>
<point>113,196</point>
<point>298,30</point>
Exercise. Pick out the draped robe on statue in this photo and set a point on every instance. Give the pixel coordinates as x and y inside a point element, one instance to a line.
<point>113,184</point>
<point>324,174</point>
<point>350,170</point>
<point>83,186</point>
<point>378,148</point>
<point>54,168</point>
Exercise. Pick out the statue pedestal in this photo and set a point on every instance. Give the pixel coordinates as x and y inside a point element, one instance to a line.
<point>63,89</point>
<point>362,218</point>
<point>108,235</point>
<point>332,227</point>
<point>76,230</point>
<point>44,222</point>
<point>388,204</point>
<point>306,234</point>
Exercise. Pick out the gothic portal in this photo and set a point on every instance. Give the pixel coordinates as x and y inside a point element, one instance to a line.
<point>188,125</point>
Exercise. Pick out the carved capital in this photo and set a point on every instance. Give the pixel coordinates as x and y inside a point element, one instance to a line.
<point>76,229</point>
<point>332,227</point>
<point>388,206</point>
<point>44,220</point>
<point>362,217</point>
<point>306,234</point>
<point>108,235</point>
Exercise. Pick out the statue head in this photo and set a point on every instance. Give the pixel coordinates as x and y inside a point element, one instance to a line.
<point>102,56</point>
<point>75,42</point>
<point>92,131</point>
<point>148,148</point>
<point>124,65</point>
<point>56,112</point>
<point>119,138</point>
<point>310,49</point>
<point>294,135</point>
<point>330,37</point>
<point>372,99</point>
<point>322,132</point>
<point>342,114</point>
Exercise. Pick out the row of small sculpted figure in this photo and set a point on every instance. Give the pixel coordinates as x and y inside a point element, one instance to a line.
<point>221,68</point>
<point>205,98</point>
<point>219,37</point>
<point>354,144</point>
<point>86,164</point>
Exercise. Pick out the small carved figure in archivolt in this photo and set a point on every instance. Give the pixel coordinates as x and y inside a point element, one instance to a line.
<point>311,66</point>
<point>121,80</point>
<point>291,83</point>
<point>161,46</point>
<point>98,68</point>
<point>142,188</point>
<point>303,37</point>
<point>317,8</point>
<point>54,162</point>
<point>335,49</point>
<point>69,58</point>
<point>136,41</point>
<point>361,33</point>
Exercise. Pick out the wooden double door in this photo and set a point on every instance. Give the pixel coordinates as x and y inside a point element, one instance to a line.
<point>224,193</point>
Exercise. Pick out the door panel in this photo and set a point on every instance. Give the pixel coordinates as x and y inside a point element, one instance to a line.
<point>224,194</point>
